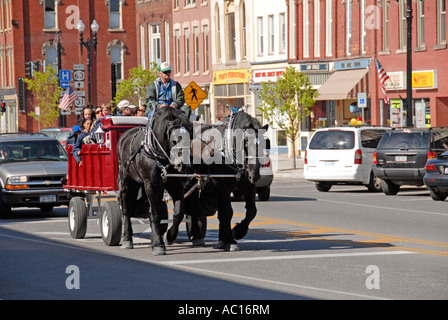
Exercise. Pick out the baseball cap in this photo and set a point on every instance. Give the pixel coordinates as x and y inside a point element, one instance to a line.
<point>164,66</point>
<point>123,104</point>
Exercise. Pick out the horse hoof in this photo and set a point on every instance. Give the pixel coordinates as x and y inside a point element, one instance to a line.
<point>158,251</point>
<point>198,242</point>
<point>166,241</point>
<point>127,245</point>
<point>231,247</point>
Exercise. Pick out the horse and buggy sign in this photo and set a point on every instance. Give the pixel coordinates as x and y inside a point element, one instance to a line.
<point>136,162</point>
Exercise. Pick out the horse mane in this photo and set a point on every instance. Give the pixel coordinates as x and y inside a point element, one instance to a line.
<point>244,120</point>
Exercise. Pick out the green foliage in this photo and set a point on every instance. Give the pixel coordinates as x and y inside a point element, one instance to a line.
<point>134,87</point>
<point>45,88</point>
<point>287,102</point>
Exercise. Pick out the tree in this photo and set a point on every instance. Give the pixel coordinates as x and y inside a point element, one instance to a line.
<point>287,102</point>
<point>45,88</point>
<point>134,87</point>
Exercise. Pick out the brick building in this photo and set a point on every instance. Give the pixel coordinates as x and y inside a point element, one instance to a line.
<point>335,43</point>
<point>192,57</point>
<point>154,31</point>
<point>30,32</point>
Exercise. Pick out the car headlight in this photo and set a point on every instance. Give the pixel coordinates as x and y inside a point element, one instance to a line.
<point>18,179</point>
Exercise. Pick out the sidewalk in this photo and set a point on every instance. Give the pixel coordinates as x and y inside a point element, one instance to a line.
<point>283,167</point>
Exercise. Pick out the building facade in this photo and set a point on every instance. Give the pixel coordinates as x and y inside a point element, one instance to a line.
<point>192,56</point>
<point>231,52</point>
<point>31,31</point>
<point>268,57</point>
<point>335,42</point>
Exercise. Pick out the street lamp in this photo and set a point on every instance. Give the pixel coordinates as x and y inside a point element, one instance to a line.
<point>88,44</point>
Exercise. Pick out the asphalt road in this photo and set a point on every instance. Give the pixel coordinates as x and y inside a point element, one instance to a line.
<point>304,244</point>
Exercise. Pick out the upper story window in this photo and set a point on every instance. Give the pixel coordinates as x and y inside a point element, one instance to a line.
<point>260,36</point>
<point>50,21</point>
<point>114,14</point>
<point>51,57</point>
<point>306,30</point>
<point>155,43</point>
<point>420,24</point>
<point>217,34</point>
<point>230,31</point>
<point>243,29</point>
<point>282,38</point>
<point>441,22</point>
<point>402,25</point>
<point>190,3</point>
<point>385,25</point>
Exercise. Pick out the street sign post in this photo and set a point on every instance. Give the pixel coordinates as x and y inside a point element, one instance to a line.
<point>194,95</point>
<point>362,103</point>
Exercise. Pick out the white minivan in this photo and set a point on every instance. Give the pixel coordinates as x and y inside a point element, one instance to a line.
<point>343,155</point>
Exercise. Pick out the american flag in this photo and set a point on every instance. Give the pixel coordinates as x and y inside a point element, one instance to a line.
<point>68,99</point>
<point>383,77</point>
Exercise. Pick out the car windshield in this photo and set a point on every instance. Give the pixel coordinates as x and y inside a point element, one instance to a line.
<point>404,140</point>
<point>333,139</point>
<point>63,135</point>
<point>32,150</point>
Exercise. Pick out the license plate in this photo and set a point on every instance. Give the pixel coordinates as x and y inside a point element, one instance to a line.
<point>329,163</point>
<point>49,198</point>
<point>401,158</point>
<point>446,170</point>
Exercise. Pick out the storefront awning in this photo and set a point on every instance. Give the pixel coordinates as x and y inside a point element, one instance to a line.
<point>344,85</point>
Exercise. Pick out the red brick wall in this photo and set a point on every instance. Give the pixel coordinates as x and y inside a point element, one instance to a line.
<point>29,38</point>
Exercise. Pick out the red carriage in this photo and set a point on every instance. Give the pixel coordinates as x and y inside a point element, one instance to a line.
<point>96,179</point>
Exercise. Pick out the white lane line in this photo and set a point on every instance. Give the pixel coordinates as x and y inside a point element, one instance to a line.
<point>287,257</point>
<point>253,280</point>
<point>386,208</point>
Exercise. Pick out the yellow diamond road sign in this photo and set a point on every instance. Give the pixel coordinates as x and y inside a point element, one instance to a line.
<point>194,95</point>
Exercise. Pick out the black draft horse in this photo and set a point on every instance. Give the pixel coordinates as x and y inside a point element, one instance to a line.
<point>143,167</point>
<point>215,195</point>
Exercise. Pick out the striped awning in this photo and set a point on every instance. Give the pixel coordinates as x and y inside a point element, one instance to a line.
<point>345,85</point>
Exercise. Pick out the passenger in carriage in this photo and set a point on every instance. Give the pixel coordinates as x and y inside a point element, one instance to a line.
<point>83,138</point>
<point>76,130</point>
<point>98,113</point>
<point>87,113</point>
<point>125,108</point>
<point>106,112</point>
<point>141,111</point>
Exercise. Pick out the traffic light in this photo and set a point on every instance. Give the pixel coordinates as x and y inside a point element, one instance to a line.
<point>35,65</point>
<point>28,69</point>
<point>3,109</point>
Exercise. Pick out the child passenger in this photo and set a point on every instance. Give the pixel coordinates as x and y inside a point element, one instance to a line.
<point>84,137</point>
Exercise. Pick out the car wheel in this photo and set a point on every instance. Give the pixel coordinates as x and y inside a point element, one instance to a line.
<point>389,187</point>
<point>5,210</point>
<point>323,186</point>
<point>264,193</point>
<point>437,195</point>
<point>77,218</point>
<point>374,183</point>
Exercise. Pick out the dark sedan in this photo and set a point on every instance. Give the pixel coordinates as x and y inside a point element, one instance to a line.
<point>436,177</point>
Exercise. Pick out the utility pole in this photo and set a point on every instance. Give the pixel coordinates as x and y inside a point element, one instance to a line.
<point>409,64</point>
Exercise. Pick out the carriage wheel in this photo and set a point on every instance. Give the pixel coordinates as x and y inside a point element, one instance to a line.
<point>111,224</point>
<point>202,226</point>
<point>77,218</point>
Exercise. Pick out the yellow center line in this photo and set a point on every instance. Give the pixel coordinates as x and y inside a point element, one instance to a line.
<point>380,240</point>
